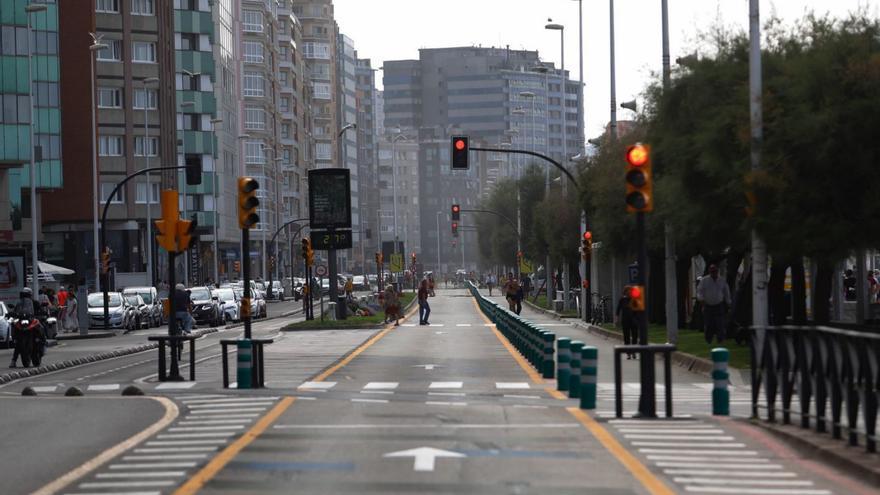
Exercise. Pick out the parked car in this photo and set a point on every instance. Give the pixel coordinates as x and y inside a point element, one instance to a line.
<point>206,307</point>
<point>230,304</point>
<point>142,316</point>
<point>258,303</point>
<point>122,314</point>
<point>277,290</point>
<point>360,282</point>
<point>5,327</point>
<point>151,298</point>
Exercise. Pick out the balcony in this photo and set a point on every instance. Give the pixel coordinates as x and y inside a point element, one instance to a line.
<point>188,21</point>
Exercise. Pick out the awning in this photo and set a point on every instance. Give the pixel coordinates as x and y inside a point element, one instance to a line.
<point>51,269</point>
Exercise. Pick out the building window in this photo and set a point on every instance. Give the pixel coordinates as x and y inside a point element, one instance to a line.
<point>316,50</point>
<point>141,193</point>
<point>152,146</point>
<point>143,7</point>
<point>189,41</point>
<point>323,151</point>
<point>107,189</point>
<point>190,122</point>
<point>253,84</point>
<point>113,52</point>
<point>285,131</point>
<point>285,104</point>
<point>253,52</point>
<point>109,97</point>
<point>190,83</point>
<point>151,97</point>
<point>252,21</point>
<point>107,6</point>
<point>253,153</point>
<point>322,91</point>
<point>254,119</point>
<point>110,145</point>
<point>143,51</point>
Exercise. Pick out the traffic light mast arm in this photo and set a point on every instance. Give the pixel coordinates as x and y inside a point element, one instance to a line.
<point>509,221</point>
<point>532,153</point>
<point>275,235</point>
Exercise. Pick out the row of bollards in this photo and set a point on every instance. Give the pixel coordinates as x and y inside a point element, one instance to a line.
<point>576,370</point>
<point>130,390</point>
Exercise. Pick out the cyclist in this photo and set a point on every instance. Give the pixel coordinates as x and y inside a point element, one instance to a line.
<point>182,307</point>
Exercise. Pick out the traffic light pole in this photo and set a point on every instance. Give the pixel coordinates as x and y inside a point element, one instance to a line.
<point>647,401</point>
<point>331,265</point>
<point>275,251</point>
<point>174,373</point>
<point>510,222</point>
<point>246,279</point>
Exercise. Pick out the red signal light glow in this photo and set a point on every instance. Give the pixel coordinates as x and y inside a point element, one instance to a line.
<point>635,293</point>
<point>637,155</point>
<point>588,235</point>
<point>459,144</point>
<point>456,208</point>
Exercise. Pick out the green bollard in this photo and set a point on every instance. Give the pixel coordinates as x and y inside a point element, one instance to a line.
<point>563,361</point>
<point>245,369</point>
<point>549,371</point>
<point>720,376</point>
<point>589,370</point>
<point>574,378</point>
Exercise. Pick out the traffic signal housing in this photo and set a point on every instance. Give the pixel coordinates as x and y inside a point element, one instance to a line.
<point>248,202</point>
<point>637,298</point>
<point>455,229</point>
<point>587,245</point>
<point>456,212</point>
<point>167,225</point>
<point>105,260</point>
<point>307,252</point>
<point>379,258</point>
<point>460,150</point>
<point>639,182</point>
<point>186,237</point>
<point>412,258</point>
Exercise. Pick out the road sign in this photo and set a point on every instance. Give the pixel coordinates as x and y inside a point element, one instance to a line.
<point>324,239</point>
<point>321,271</point>
<point>329,199</point>
<point>634,273</point>
<point>397,262</point>
<point>424,457</point>
<point>525,266</point>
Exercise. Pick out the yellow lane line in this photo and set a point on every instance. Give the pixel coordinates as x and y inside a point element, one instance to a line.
<point>211,469</point>
<point>171,413</point>
<point>533,375</point>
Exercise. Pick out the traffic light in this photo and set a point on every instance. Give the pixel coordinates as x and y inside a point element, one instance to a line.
<point>379,258</point>
<point>587,245</point>
<point>247,202</point>
<point>307,253</point>
<point>460,149</point>
<point>236,265</point>
<point>245,308</point>
<point>637,298</point>
<point>412,258</point>
<point>105,260</point>
<point>456,212</point>
<point>167,226</point>
<point>639,183</point>
<point>186,237</point>
<point>455,229</point>
<point>193,172</point>
<point>271,263</point>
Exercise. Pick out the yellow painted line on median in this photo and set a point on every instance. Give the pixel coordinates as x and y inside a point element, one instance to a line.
<point>521,361</point>
<point>171,413</point>
<point>220,461</point>
<point>629,461</point>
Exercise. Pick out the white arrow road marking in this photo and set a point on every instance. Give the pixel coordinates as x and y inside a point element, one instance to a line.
<point>424,457</point>
<point>439,333</point>
<point>427,367</point>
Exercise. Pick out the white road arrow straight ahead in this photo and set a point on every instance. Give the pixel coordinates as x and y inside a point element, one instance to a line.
<point>424,456</point>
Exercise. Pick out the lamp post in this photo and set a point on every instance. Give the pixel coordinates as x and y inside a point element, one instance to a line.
<point>561,29</point>
<point>438,241</point>
<point>216,182</point>
<point>183,186</point>
<point>394,140</point>
<point>30,9</point>
<point>146,149</point>
<point>546,71</point>
<point>96,194</point>
<point>522,113</point>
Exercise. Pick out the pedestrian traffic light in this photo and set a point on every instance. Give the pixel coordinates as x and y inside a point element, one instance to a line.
<point>186,237</point>
<point>194,172</point>
<point>167,226</point>
<point>247,202</point>
<point>639,183</point>
<point>587,245</point>
<point>460,149</point>
<point>637,298</point>
<point>456,212</point>
<point>105,260</point>
<point>455,228</point>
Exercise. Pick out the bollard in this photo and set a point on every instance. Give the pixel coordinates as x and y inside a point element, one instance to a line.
<point>720,375</point>
<point>549,338</point>
<point>563,361</point>
<point>589,370</point>
<point>245,369</point>
<point>574,378</point>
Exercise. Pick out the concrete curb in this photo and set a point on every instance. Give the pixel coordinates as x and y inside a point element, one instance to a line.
<point>365,327</point>
<point>689,362</point>
<point>28,372</point>
<point>854,461</point>
<point>93,335</point>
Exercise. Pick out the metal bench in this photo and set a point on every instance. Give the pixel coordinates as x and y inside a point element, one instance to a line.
<point>174,373</point>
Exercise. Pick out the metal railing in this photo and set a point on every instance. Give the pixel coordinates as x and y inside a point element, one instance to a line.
<point>822,368</point>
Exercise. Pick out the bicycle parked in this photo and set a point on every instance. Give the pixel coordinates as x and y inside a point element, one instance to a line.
<point>602,310</point>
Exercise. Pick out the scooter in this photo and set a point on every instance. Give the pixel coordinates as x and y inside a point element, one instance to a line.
<point>30,340</point>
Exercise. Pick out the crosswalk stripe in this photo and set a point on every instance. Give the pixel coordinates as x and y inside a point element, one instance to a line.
<point>738,482</point>
<point>226,400</point>
<point>446,385</point>
<point>202,412</point>
<point>174,436</point>
<point>157,474</point>
<point>745,474</point>
<point>373,401</point>
<point>126,484</point>
<point>163,457</point>
<point>648,436</point>
<point>688,444</point>
<point>154,465</point>
<point>443,403</point>
<point>739,490</point>
<point>175,386</point>
<point>317,385</point>
<point>103,387</point>
<point>719,464</point>
<point>700,452</point>
<point>207,428</point>
<point>169,443</point>
<point>381,385</point>
<point>255,403</point>
<point>162,450</point>
<point>510,385</point>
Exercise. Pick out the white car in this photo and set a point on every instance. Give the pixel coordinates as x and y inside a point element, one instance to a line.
<point>5,327</point>
<point>230,304</point>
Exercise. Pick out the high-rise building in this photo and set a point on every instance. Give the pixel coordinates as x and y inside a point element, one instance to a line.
<point>346,94</point>
<point>367,133</point>
<point>402,181</point>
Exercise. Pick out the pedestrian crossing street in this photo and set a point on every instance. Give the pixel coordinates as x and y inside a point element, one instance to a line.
<point>207,424</point>
<point>701,457</point>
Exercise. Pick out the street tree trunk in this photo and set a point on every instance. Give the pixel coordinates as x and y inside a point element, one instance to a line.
<point>823,284</point>
<point>776,291</point>
<point>798,291</point>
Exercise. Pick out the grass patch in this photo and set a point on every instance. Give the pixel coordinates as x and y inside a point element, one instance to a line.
<point>693,342</point>
<point>541,302</point>
<point>350,322</point>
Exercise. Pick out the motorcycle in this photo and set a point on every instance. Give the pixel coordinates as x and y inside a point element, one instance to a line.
<point>30,340</point>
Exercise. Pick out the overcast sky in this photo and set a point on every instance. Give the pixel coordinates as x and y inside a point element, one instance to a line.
<point>396,29</point>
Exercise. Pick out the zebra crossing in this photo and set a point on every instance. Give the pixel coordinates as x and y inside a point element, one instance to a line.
<point>701,457</point>
<point>208,423</point>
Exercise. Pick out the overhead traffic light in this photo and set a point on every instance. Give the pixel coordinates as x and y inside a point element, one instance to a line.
<point>167,226</point>
<point>639,183</point>
<point>247,202</point>
<point>637,298</point>
<point>455,229</point>
<point>186,237</point>
<point>105,260</point>
<point>587,245</point>
<point>460,149</point>
<point>456,212</point>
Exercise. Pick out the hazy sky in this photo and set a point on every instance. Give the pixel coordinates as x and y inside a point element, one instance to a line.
<point>396,29</point>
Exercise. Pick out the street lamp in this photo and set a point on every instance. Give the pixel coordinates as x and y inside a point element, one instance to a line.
<point>214,123</point>
<point>345,128</point>
<point>398,137</point>
<point>95,47</point>
<point>146,149</point>
<point>30,9</point>
<point>531,96</point>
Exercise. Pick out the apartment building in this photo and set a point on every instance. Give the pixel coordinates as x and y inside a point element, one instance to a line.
<point>398,177</point>
<point>367,139</point>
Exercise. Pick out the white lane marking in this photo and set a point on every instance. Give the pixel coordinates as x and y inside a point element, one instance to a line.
<point>126,484</point>
<point>169,443</point>
<point>668,423</point>
<point>307,398</point>
<point>116,493</point>
<point>99,387</point>
<point>462,324</point>
<point>512,396</point>
<point>426,427</point>
<point>437,324</point>
<point>380,385</point>
<point>45,389</point>
<point>177,436</point>
<point>213,422</point>
<point>408,325</point>
<point>253,403</point>
<point>446,385</point>
<point>374,401</point>
<point>428,367</point>
<point>488,324</point>
<point>509,385</point>
<point>317,385</point>
<point>739,490</point>
<point>708,438</point>
<point>689,445</point>
<point>744,474</point>
<point>229,411</point>
<point>529,406</point>
<point>220,416</point>
<point>157,474</point>
<point>448,394</point>
<point>380,392</point>
<point>701,459</point>
<point>738,482</point>
<point>154,465</point>
<point>441,403</point>
<point>207,428</point>
<point>439,333</point>
<point>699,452</point>
<point>727,464</point>
<point>424,457</point>
<point>163,450</point>
<point>227,401</point>
<point>175,386</point>
<point>163,457</point>
<point>700,431</point>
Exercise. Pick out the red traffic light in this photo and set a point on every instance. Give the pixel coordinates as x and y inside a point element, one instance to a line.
<point>459,144</point>
<point>635,292</point>
<point>637,155</point>
<point>588,235</point>
<point>456,208</point>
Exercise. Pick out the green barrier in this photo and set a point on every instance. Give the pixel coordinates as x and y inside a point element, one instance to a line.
<point>720,376</point>
<point>589,370</point>
<point>244,361</point>
<point>574,379</point>
<point>563,363</point>
<point>549,339</point>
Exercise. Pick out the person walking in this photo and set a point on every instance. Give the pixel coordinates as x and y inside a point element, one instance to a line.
<point>627,320</point>
<point>349,289</point>
<point>511,291</point>
<point>70,320</point>
<point>519,298</point>
<point>714,294</point>
<point>424,307</point>
<point>391,305</point>
<point>490,281</point>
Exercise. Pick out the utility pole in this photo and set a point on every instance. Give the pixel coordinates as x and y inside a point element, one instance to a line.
<point>671,285</point>
<point>759,249</point>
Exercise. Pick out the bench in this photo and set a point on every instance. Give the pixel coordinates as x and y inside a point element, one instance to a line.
<point>258,377</point>
<point>174,340</point>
